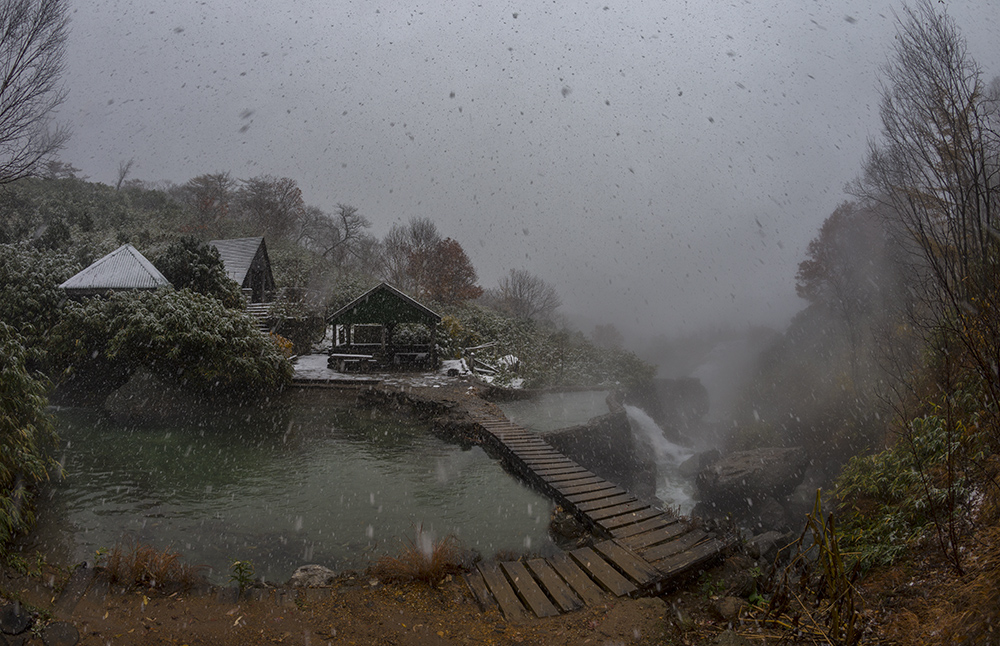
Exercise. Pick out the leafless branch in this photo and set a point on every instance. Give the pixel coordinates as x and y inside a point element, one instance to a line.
<point>32,48</point>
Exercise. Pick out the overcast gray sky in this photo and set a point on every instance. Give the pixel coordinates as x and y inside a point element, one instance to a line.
<point>663,164</point>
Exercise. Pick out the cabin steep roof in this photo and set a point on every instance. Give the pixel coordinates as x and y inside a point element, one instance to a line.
<point>237,255</point>
<point>384,304</point>
<point>123,268</point>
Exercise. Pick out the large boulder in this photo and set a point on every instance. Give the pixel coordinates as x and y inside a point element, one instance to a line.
<point>767,546</point>
<point>695,464</point>
<point>607,446</point>
<point>739,481</point>
<point>312,576</point>
<point>14,619</point>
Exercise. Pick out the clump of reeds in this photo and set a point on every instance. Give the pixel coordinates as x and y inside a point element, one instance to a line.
<point>816,594</point>
<point>423,560</point>
<point>141,565</point>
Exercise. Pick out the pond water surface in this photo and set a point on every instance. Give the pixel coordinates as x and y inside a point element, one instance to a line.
<point>309,482</point>
<point>548,412</point>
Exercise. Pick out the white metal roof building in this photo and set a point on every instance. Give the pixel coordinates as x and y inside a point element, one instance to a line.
<point>123,268</point>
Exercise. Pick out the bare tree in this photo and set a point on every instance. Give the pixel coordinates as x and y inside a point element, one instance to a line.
<point>56,169</point>
<point>271,205</point>
<point>124,169</point>
<point>368,256</point>
<point>404,252</point>
<point>333,236</point>
<point>210,198</point>
<point>394,255</point>
<point>524,295</point>
<point>32,47</point>
<point>936,164</point>
<point>422,234</point>
<point>937,168</point>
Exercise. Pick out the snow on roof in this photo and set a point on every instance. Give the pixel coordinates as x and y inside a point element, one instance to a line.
<point>123,268</point>
<point>237,255</point>
<point>385,287</point>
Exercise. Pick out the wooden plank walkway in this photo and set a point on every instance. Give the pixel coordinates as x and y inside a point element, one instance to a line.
<point>639,548</point>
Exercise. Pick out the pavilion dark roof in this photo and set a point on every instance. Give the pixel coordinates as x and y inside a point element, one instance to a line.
<point>123,268</point>
<point>381,304</point>
<point>237,255</point>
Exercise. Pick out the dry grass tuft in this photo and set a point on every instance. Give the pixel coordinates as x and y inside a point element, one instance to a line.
<point>422,560</point>
<point>141,565</point>
<point>921,600</point>
<point>970,610</point>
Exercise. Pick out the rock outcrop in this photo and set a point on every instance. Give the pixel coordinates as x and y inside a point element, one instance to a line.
<point>695,464</point>
<point>606,446</point>
<point>746,484</point>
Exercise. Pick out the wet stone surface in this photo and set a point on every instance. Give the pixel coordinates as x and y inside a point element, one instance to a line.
<point>728,608</point>
<point>60,633</point>
<point>312,575</point>
<point>14,619</point>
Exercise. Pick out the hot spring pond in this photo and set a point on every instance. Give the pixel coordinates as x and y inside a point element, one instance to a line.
<point>549,412</point>
<point>309,482</point>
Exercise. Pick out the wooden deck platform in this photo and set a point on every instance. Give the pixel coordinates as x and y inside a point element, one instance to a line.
<point>333,382</point>
<point>639,549</point>
<point>312,371</point>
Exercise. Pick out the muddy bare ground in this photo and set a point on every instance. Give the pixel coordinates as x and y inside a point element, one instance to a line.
<point>355,610</point>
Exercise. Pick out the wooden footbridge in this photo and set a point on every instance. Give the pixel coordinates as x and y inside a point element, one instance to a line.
<point>639,549</point>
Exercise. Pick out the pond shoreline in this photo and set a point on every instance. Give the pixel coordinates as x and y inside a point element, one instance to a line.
<point>451,411</point>
<point>311,472</point>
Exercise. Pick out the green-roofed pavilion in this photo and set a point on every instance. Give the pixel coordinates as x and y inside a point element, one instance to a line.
<point>388,328</point>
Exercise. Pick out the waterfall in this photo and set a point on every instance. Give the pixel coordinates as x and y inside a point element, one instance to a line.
<point>674,490</point>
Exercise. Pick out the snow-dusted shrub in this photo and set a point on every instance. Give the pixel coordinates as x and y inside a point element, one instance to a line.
<point>181,336</point>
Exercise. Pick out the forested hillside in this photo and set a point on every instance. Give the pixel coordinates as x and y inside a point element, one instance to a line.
<point>890,377</point>
<point>320,259</point>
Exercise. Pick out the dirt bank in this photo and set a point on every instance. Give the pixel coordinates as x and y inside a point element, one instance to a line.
<point>359,610</point>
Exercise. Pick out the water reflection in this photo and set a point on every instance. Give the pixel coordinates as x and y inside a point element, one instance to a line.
<point>313,482</point>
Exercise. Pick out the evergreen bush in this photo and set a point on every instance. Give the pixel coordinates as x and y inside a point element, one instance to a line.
<point>181,336</point>
<point>26,435</point>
